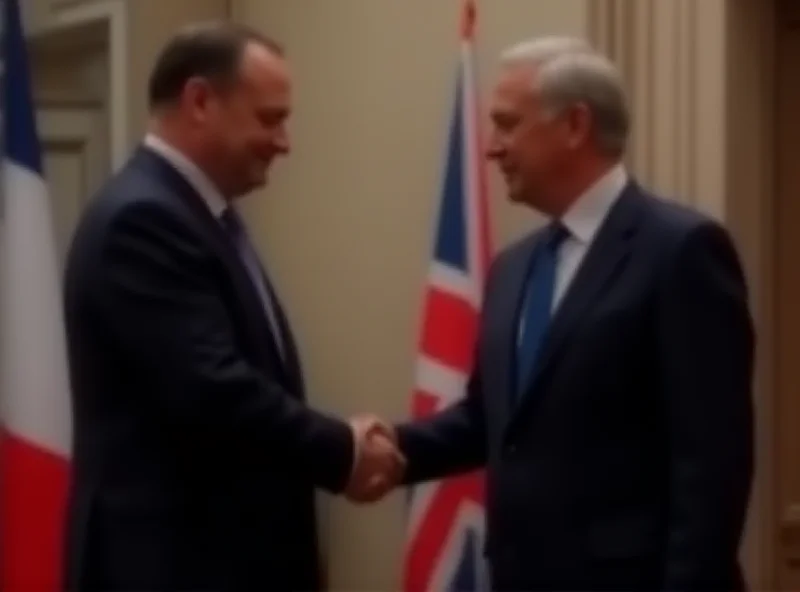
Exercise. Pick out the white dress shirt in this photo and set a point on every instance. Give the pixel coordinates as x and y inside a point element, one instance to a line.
<point>191,172</point>
<point>582,221</point>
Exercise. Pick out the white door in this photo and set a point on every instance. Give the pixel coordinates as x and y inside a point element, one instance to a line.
<point>70,86</point>
<point>70,92</point>
<point>74,160</point>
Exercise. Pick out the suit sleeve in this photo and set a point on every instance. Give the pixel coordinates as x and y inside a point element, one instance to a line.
<point>159,299</point>
<point>707,349</point>
<point>451,441</point>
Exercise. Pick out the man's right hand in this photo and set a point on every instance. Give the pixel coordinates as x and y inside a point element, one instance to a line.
<point>378,465</point>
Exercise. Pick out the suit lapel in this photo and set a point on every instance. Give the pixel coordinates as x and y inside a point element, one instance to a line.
<point>157,166</point>
<point>605,258</point>
<point>504,317</point>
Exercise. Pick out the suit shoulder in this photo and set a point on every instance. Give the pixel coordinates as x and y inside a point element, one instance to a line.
<point>679,232</point>
<point>672,219</point>
<point>127,193</point>
<point>130,190</point>
<point>127,197</point>
<point>516,248</point>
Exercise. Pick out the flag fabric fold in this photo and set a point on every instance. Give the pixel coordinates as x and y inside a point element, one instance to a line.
<point>444,546</point>
<point>34,399</point>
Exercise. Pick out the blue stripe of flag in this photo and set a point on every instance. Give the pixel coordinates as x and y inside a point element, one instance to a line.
<point>21,139</point>
<point>468,575</point>
<point>451,238</point>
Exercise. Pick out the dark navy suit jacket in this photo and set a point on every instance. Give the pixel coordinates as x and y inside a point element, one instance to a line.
<point>195,455</point>
<point>627,463</point>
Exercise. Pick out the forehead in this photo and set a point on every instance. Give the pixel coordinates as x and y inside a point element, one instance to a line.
<point>515,86</point>
<point>265,72</point>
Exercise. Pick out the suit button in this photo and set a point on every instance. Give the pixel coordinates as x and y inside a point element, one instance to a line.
<point>511,448</point>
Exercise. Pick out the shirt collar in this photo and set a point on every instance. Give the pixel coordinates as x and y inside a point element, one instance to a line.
<point>191,172</point>
<point>586,215</point>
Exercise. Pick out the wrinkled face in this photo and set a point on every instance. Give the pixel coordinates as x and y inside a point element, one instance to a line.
<point>243,126</point>
<point>533,146</point>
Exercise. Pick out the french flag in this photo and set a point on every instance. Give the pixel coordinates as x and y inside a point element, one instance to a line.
<point>36,436</point>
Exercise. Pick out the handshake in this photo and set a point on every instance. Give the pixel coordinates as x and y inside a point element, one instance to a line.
<point>378,465</point>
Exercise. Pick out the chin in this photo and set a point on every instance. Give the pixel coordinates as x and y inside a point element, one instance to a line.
<point>261,177</point>
<point>516,196</point>
<point>257,183</point>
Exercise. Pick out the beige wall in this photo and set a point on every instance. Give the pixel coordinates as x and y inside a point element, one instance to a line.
<point>346,223</point>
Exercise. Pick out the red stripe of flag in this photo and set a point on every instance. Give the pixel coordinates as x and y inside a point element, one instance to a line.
<point>449,329</point>
<point>31,515</point>
<point>424,404</point>
<point>435,528</point>
<point>484,232</point>
<point>468,16</point>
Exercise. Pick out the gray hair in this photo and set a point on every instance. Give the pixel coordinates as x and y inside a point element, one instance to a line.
<point>571,71</point>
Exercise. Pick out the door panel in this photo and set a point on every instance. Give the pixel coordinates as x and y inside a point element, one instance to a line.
<point>70,86</point>
<point>75,161</point>
<point>787,293</point>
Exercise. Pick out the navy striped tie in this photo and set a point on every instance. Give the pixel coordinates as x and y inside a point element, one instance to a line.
<point>535,314</point>
<point>233,224</point>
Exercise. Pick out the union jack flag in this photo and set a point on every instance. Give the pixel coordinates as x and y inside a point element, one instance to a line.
<point>446,518</point>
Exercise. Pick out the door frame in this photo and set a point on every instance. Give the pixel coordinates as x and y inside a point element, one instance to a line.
<point>69,23</point>
<point>750,97</point>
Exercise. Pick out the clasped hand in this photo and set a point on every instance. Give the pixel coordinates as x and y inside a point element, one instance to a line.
<point>379,465</point>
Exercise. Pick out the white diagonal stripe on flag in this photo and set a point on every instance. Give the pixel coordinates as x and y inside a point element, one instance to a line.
<point>445,278</point>
<point>434,378</point>
<point>421,496</point>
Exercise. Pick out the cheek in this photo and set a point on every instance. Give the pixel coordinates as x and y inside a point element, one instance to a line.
<point>239,125</point>
<point>260,143</point>
<point>532,153</point>
<point>249,137</point>
<point>544,149</point>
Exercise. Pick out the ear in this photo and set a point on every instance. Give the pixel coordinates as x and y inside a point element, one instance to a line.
<point>196,96</point>
<point>579,123</point>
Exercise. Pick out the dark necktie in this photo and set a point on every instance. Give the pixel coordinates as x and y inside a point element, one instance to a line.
<point>234,226</point>
<point>536,310</point>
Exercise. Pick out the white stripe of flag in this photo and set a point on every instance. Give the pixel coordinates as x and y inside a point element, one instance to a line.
<point>34,377</point>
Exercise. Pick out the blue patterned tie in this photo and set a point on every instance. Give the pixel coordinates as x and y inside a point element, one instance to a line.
<point>535,314</point>
<point>233,224</point>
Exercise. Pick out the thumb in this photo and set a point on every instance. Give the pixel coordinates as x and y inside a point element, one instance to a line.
<point>378,426</point>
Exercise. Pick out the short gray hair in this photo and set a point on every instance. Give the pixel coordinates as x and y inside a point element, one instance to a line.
<point>571,71</point>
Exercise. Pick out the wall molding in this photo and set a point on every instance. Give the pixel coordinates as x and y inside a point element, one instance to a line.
<point>77,132</point>
<point>113,15</point>
<point>77,125</point>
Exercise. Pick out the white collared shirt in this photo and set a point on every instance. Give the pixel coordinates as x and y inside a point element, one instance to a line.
<point>191,172</point>
<point>583,220</point>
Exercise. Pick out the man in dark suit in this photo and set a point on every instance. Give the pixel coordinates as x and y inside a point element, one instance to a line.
<point>610,400</point>
<point>195,455</point>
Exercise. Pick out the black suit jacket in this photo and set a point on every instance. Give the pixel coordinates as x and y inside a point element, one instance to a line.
<point>627,463</point>
<point>195,455</point>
